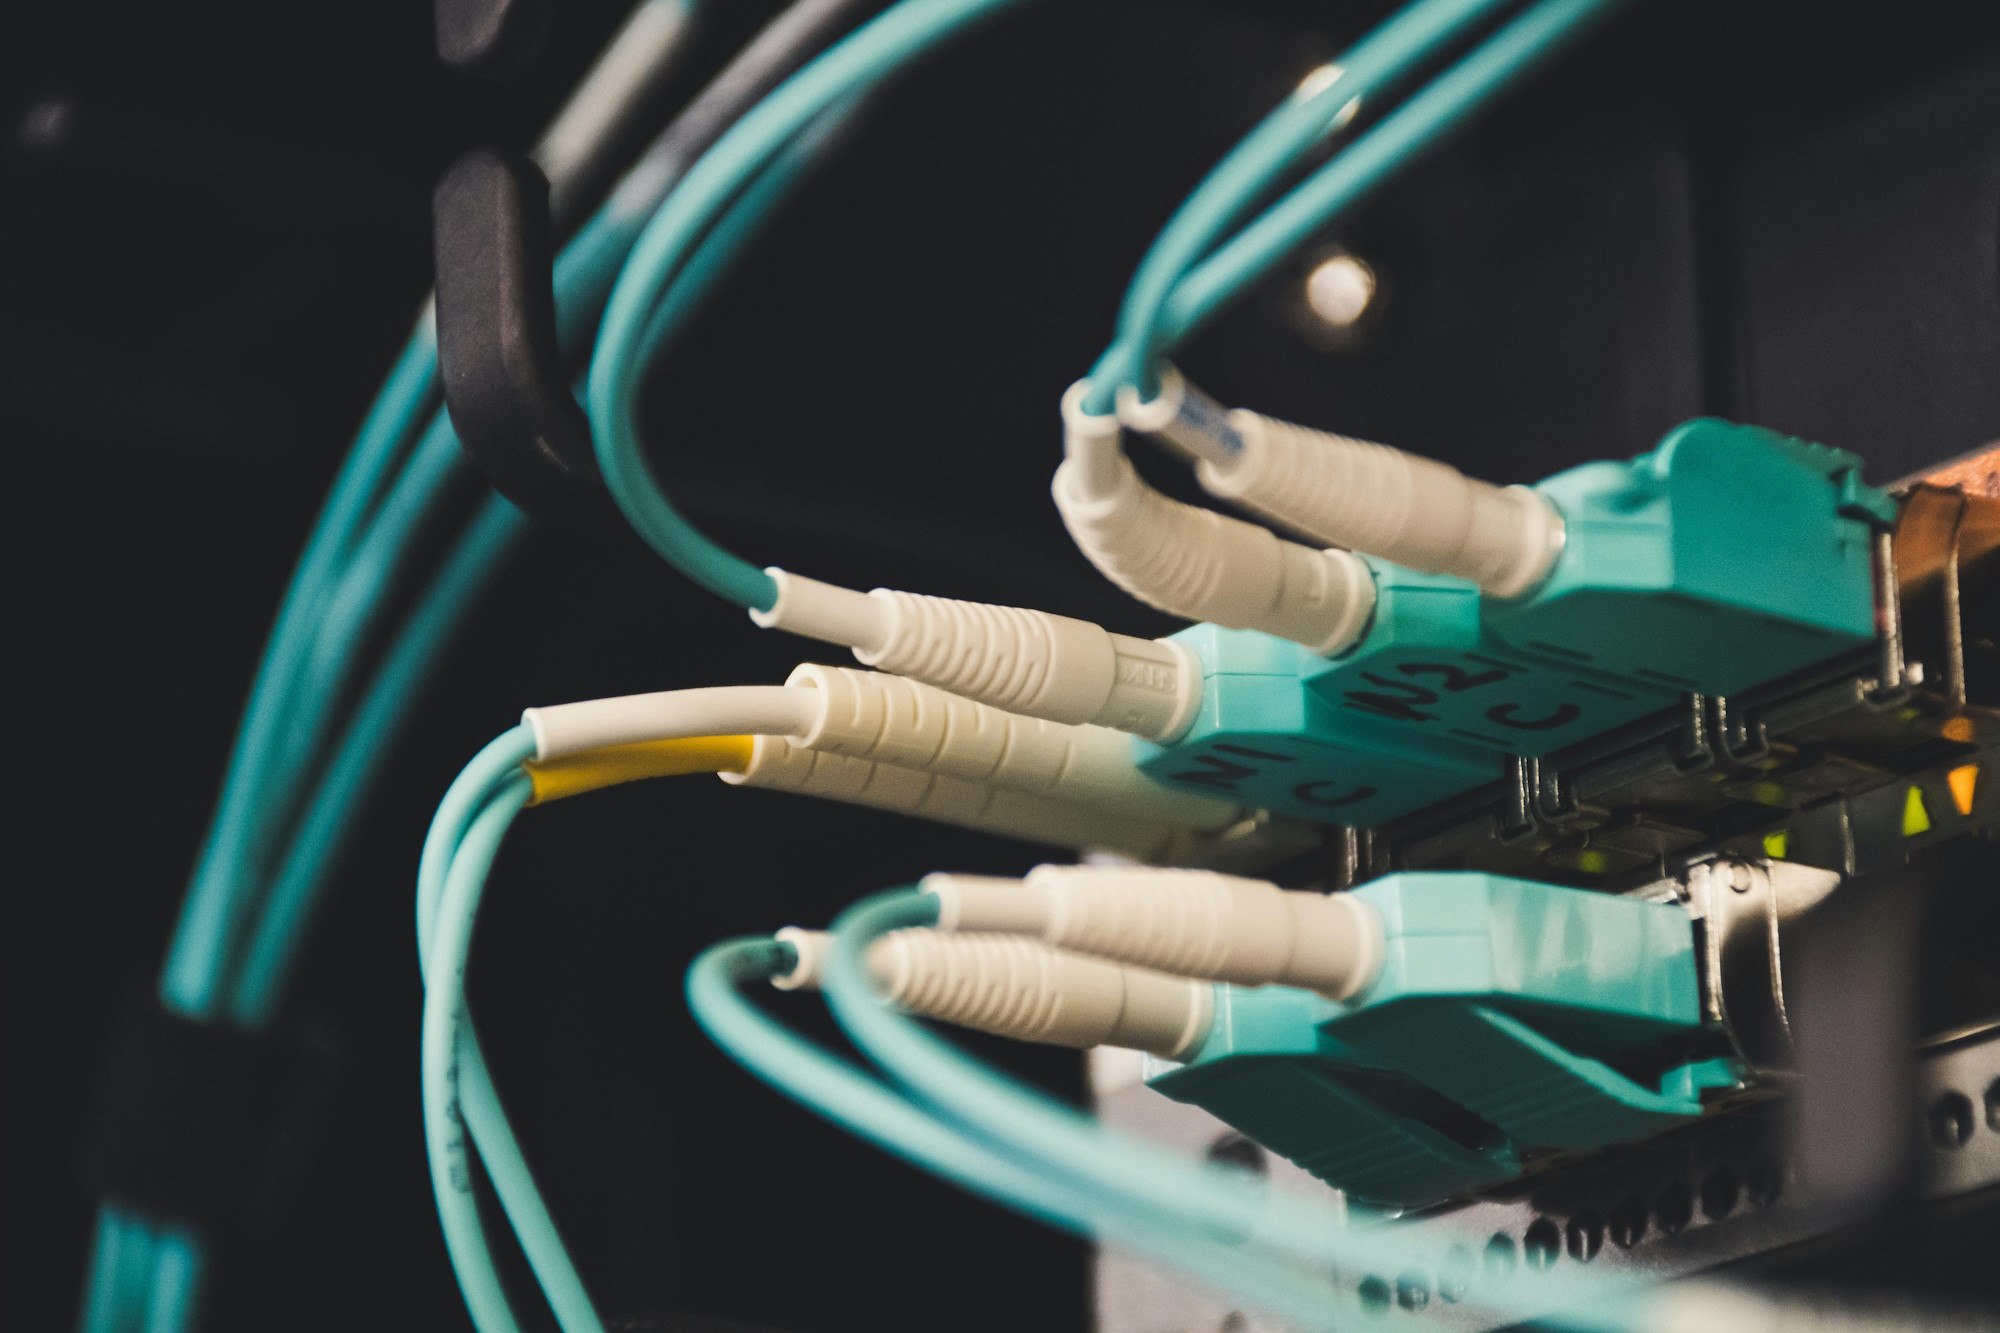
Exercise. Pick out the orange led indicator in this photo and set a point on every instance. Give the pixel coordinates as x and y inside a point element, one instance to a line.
<point>1963,781</point>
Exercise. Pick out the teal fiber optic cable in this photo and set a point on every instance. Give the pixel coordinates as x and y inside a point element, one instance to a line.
<point>458,1093</point>
<point>109,1238</point>
<point>188,980</point>
<point>843,1094</point>
<point>218,896</point>
<point>121,1263</point>
<point>585,272</point>
<point>495,764</point>
<point>143,1278</point>
<point>520,1199</point>
<point>368,581</point>
<point>499,763</point>
<point>151,1278</point>
<point>216,902</point>
<point>1135,1175</point>
<point>348,616</point>
<point>443,1027</point>
<point>310,862</point>
<point>1411,38</point>
<point>930,1068</point>
<point>179,1266</point>
<point>747,216</point>
<point>885,43</point>
<point>1441,107</point>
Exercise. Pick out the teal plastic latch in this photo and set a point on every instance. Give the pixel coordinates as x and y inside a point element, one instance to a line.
<point>1504,1018</point>
<point>1527,1086</point>
<point>1729,556</point>
<point>1270,1072</point>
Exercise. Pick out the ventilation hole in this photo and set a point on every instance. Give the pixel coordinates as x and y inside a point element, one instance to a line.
<point>1584,1237</point>
<point>1951,1120</point>
<point>1542,1245</point>
<point>1764,1181</point>
<point>1233,1149</point>
<point>1628,1222</point>
<point>1500,1257</point>
<point>1719,1189</point>
<point>1412,1292</point>
<point>1674,1209</point>
<point>1375,1295</point>
<point>1993,1106</point>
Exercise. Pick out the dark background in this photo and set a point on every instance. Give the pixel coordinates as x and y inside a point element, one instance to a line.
<point>214,233</point>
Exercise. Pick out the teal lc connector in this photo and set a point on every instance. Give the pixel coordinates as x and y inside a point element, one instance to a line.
<point>1264,737</point>
<point>1505,1019</point>
<point>1428,705</point>
<point>1728,557</point>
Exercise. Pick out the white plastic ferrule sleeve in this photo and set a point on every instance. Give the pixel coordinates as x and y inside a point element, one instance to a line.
<point>1016,987</point>
<point>1195,923</point>
<point>728,710</point>
<point>893,720</point>
<point>1182,416</point>
<point>1039,664</point>
<point>1093,446</point>
<point>777,765</point>
<point>825,611</point>
<point>1025,661</point>
<point>1415,511</point>
<point>1195,562</point>
<point>809,949</point>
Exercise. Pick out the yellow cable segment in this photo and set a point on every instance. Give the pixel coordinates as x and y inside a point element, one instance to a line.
<point>614,764</point>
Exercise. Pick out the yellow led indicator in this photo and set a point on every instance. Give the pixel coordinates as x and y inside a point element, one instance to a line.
<point>1592,862</point>
<point>1916,819</point>
<point>1777,844</point>
<point>1963,781</point>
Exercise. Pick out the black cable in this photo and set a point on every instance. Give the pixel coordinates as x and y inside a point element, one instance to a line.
<point>795,36</point>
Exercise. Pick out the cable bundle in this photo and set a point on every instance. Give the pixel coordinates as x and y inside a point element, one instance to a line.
<point>301,765</point>
<point>999,700</point>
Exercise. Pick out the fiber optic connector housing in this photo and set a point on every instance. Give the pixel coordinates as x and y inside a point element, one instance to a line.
<point>1427,706</point>
<point>1432,667</point>
<point>1729,556</point>
<point>1508,1016</point>
<point>1264,736</point>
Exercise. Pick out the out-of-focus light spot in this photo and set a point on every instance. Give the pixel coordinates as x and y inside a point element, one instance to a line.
<point>46,127</point>
<point>1339,289</point>
<point>1318,81</point>
<point>1777,844</point>
<point>1958,729</point>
